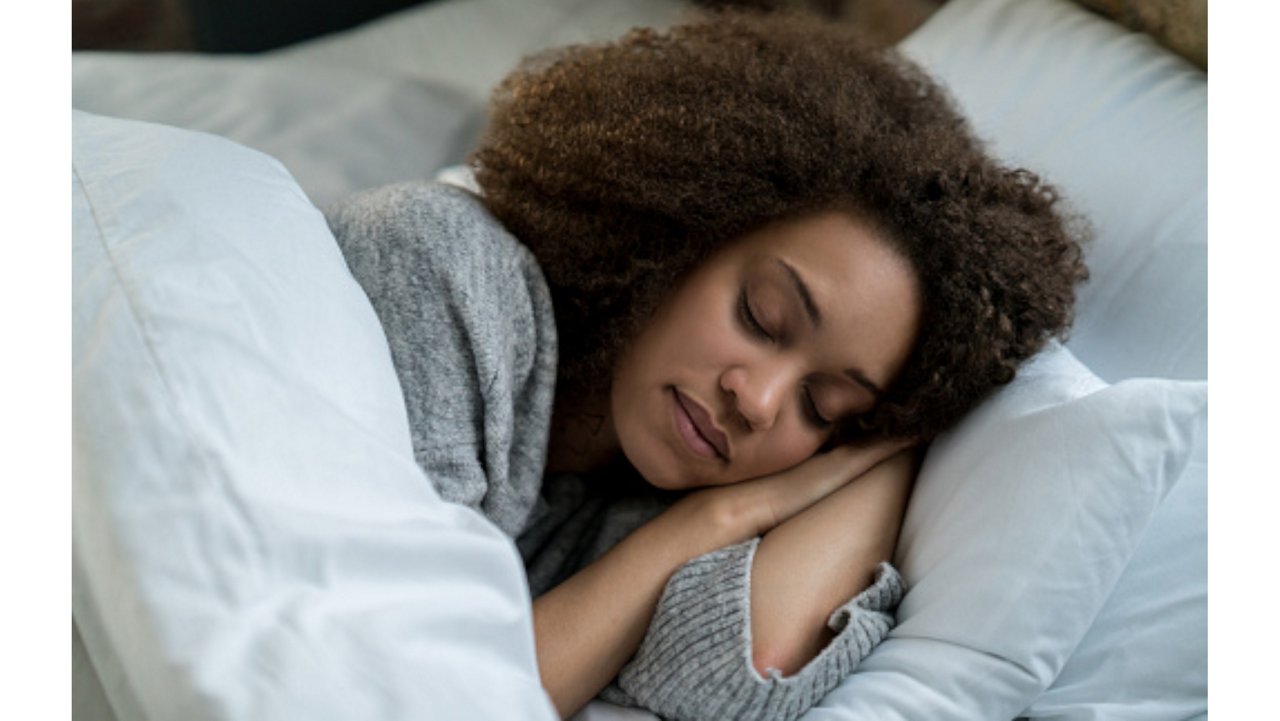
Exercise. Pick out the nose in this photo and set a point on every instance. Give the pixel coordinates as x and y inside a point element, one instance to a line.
<point>756,393</point>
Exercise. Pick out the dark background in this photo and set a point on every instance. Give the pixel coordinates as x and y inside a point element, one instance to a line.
<point>215,26</point>
<point>248,26</point>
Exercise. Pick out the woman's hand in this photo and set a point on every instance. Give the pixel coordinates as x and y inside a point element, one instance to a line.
<point>734,513</point>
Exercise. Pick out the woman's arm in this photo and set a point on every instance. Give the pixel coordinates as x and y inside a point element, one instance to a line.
<point>808,566</point>
<point>589,626</point>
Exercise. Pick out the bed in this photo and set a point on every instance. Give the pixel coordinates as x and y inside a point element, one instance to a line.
<point>253,540</point>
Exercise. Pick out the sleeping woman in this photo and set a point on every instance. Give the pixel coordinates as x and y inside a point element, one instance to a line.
<point>713,289</point>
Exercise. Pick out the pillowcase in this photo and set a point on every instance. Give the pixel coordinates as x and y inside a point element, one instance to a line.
<point>1022,520</point>
<point>1146,656</point>
<point>251,535</point>
<point>1118,124</point>
<point>338,130</point>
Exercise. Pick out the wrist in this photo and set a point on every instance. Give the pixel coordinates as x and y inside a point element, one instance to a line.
<point>702,522</point>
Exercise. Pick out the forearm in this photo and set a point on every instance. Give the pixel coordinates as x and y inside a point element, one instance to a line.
<point>589,626</point>
<point>817,560</point>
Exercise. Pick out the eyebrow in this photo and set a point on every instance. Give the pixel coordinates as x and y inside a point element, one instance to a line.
<point>810,309</point>
<point>815,317</point>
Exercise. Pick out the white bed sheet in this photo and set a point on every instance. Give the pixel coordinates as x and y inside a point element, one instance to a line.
<point>337,129</point>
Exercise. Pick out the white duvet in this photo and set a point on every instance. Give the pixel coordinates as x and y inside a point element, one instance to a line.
<point>252,536</point>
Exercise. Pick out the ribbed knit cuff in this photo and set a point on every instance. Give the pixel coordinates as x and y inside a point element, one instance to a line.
<point>695,663</point>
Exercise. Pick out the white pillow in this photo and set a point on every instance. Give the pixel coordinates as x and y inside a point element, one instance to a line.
<point>1020,524</point>
<point>251,536</point>
<point>1146,656</point>
<point>1119,124</point>
<point>338,130</point>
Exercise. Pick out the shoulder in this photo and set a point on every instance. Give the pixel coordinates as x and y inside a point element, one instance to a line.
<point>439,223</point>
<point>420,248</point>
<point>469,322</point>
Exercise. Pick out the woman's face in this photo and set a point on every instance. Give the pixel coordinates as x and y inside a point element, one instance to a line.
<point>744,369</point>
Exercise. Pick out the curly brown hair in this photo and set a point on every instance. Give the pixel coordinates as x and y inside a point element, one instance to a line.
<point>623,165</point>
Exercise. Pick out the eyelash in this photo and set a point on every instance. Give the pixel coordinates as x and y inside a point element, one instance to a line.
<point>754,327</point>
<point>749,319</point>
<point>811,410</point>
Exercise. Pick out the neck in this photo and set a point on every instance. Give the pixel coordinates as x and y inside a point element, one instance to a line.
<point>582,437</point>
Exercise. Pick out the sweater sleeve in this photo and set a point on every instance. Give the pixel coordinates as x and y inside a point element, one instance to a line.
<point>695,662</point>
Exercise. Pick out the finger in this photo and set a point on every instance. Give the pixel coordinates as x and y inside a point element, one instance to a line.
<point>852,461</point>
<point>785,494</point>
<point>792,491</point>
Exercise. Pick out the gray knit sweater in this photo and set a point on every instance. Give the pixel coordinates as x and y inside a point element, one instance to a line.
<point>468,318</point>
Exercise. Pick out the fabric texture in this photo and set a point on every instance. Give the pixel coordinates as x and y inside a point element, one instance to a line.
<point>471,330</point>
<point>252,538</point>
<point>337,129</point>
<point>691,663</point>
<point>1160,611</point>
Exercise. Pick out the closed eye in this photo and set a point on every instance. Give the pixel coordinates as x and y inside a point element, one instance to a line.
<point>748,318</point>
<point>812,414</point>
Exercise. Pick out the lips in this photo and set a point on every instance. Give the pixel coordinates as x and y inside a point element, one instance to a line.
<point>698,430</point>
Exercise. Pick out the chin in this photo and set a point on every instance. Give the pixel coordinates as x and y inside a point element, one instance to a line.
<point>671,476</point>
<point>658,468</point>
<point>666,484</point>
<point>655,474</point>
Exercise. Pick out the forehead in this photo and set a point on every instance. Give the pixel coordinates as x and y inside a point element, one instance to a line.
<point>837,254</point>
